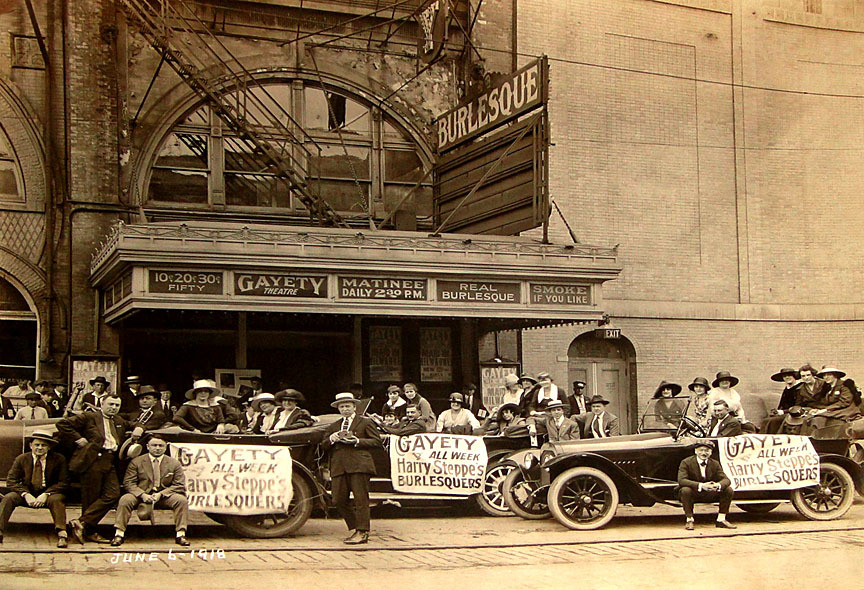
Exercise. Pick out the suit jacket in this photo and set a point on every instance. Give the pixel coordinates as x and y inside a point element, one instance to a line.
<point>573,400</point>
<point>298,418</point>
<point>20,476</point>
<point>610,425</point>
<point>839,402</point>
<point>139,478</point>
<point>568,430</point>
<point>405,427</point>
<point>730,426</point>
<point>529,402</point>
<point>345,458</point>
<point>89,425</point>
<point>690,476</point>
<point>153,420</point>
<point>476,406</point>
<point>169,412</point>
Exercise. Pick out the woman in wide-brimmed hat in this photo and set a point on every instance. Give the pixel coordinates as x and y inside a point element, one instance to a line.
<point>458,419</point>
<point>506,422</point>
<point>790,397</point>
<point>699,401</point>
<point>669,409</point>
<point>722,389</point>
<point>291,415</point>
<point>199,414</point>
<point>839,405</point>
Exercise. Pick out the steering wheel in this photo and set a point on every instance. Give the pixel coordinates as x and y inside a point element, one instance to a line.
<point>689,426</point>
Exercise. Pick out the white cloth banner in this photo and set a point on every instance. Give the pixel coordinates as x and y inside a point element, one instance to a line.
<point>236,479</point>
<point>769,461</point>
<point>433,463</point>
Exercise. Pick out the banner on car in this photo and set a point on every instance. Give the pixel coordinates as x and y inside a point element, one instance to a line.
<point>769,462</point>
<point>433,463</point>
<point>236,479</point>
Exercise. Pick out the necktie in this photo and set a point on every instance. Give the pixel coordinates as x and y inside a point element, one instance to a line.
<point>345,424</point>
<point>704,463</point>
<point>37,475</point>
<point>157,474</point>
<point>32,413</point>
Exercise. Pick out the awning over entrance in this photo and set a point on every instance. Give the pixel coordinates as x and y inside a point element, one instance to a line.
<point>231,267</point>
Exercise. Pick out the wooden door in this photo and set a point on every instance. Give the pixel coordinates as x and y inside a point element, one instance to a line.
<point>608,377</point>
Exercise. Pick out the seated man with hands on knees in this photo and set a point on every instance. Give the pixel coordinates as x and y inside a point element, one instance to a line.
<point>701,479</point>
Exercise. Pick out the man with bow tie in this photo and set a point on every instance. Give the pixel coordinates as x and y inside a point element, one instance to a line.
<point>149,415</point>
<point>155,480</point>
<point>701,479</point>
<point>349,442</point>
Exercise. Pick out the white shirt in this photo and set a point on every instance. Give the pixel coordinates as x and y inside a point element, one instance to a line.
<point>268,421</point>
<point>110,443</point>
<point>597,425</point>
<point>552,394</point>
<point>732,399</point>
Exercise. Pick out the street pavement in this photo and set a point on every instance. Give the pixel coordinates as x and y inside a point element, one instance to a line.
<point>450,547</point>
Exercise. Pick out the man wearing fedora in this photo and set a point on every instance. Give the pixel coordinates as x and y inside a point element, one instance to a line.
<point>558,425</point>
<point>166,402</point>
<point>723,423</point>
<point>48,399</point>
<point>699,409</point>
<point>601,424</point>
<point>98,437</point>
<point>154,480</point>
<point>723,389</point>
<point>92,400</point>
<point>348,442</point>
<point>38,479</point>
<point>149,414</point>
<point>701,479</point>
<point>291,415</point>
<point>32,411</point>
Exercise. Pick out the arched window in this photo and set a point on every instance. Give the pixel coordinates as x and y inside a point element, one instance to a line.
<point>358,159</point>
<point>10,171</point>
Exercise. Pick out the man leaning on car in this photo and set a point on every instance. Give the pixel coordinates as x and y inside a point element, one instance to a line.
<point>701,479</point>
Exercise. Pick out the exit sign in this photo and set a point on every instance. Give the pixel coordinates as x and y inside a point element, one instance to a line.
<point>609,333</point>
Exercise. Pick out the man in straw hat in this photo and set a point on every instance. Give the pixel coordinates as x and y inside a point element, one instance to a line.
<point>154,480</point>
<point>701,479</point>
<point>601,424</point>
<point>348,441</point>
<point>38,479</point>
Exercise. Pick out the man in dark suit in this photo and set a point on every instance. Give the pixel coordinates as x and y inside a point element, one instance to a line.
<point>349,442</point>
<point>166,403</point>
<point>38,479</point>
<point>149,415</point>
<point>701,479</point>
<point>601,424</point>
<point>98,436</point>
<point>579,401</point>
<point>723,423</point>
<point>156,480</point>
<point>474,402</point>
<point>410,424</point>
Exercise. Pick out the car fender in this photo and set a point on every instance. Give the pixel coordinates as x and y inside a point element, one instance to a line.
<point>318,491</point>
<point>517,459</point>
<point>497,456</point>
<point>628,489</point>
<point>849,465</point>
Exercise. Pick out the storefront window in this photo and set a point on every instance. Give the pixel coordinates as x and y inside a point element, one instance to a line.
<point>336,148</point>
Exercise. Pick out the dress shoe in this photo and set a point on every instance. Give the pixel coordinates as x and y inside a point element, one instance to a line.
<point>351,534</point>
<point>358,538</point>
<point>182,541</point>
<point>724,524</point>
<point>96,538</point>
<point>62,543</point>
<point>117,541</point>
<point>77,529</point>
<point>689,525</point>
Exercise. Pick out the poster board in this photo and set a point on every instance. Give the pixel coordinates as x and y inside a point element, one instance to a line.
<point>492,382</point>
<point>230,380</point>
<point>86,368</point>
<point>436,463</point>
<point>436,355</point>
<point>769,461</point>
<point>385,353</point>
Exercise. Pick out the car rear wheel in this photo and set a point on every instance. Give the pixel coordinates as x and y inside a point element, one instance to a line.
<point>760,508</point>
<point>521,497</point>
<point>491,499</point>
<point>831,499</point>
<point>270,526</point>
<point>583,498</point>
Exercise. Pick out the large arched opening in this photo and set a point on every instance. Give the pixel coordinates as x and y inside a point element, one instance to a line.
<point>18,334</point>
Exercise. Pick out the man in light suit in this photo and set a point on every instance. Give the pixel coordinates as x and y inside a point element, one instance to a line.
<point>157,480</point>
<point>701,479</point>
<point>601,424</point>
<point>558,426</point>
<point>349,442</point>
<point>98,437</point>
<point>723,423</point>
<point>38,479</point>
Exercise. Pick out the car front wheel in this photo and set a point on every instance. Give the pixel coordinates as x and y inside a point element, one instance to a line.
<point>270,526</point>
<point>831,499</point>
<point>583,498</point>
<point>522,497</point>
<point>491,499</point>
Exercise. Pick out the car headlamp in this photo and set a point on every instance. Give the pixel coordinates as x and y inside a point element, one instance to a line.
<point>545,456</point>
<point>529,461</point>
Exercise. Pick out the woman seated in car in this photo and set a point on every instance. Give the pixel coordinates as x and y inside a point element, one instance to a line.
<point>458,419</point>
<point>506,422</point>
<point>839,405</point>
<point>292,416</point>
<point>201,413</point>
<point>668,409</point>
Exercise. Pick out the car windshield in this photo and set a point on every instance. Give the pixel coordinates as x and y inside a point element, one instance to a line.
<point>664,413</point>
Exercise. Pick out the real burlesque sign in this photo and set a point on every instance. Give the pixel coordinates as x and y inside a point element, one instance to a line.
<point>434,463</point>
<point>236,479</point>
<point>769,462</point>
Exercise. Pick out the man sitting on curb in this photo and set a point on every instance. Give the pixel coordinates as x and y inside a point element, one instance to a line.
<point>701,479</point>
<point>38,479</point>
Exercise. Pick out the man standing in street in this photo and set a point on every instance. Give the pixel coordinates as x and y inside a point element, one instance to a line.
<point>158,481</point>
<point>701,479</point>
<point>98,436</point>
<point>38,479</point>
<point>348,442</point>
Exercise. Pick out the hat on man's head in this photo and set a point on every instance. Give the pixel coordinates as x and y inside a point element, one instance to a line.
<point>262,397</point>
<point>579,384</point>
<point>207,384</point>
<point>290,394</point>
<point>699,381</point>
<point>255,378</point>
<point>826,370</point>
<point>705,442</point>
<point>345,396</point>
<point>598,399</point>
<point>555,403</point>
<point>42,382</point>
<point>526,377</point>
<point>41,435</point>
<point>133,379</point>
<point>147,390</point>
<point>676,389</point>
<point>99,379</point>
<point>32,395</point>
<point>778,376</point>
<point>725,376</point>
<point>511,379</point>
<point>794,416</point>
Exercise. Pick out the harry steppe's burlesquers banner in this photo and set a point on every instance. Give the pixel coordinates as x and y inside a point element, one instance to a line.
<point>769,462</point>
<point>438,463</point>
<point>236,479</point>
